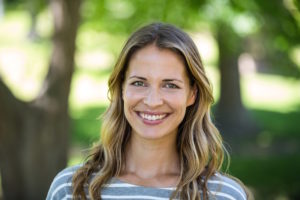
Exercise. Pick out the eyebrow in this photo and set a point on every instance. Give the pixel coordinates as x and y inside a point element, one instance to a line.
<point>165,80</point>
<point>174,79</point>
<point>138,77</point>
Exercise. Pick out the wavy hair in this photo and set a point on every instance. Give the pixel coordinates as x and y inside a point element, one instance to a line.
<point>199,143</point>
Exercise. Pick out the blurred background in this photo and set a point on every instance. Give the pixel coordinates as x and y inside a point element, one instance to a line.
<point>56,57</point>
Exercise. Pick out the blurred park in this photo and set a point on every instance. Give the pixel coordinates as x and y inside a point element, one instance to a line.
<point>56,57</point>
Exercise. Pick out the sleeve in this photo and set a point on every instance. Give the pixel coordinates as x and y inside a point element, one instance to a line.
<point>61,186</point>
<point>226,187</point>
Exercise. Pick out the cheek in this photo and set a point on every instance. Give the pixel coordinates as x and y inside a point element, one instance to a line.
<point>179,107</point>
<point>131,96</point>
<point>177,100</point>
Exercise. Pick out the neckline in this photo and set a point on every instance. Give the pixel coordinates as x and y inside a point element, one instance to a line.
<point>118,180</point>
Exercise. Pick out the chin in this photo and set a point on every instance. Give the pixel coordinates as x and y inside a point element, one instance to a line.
<point>154,135</point>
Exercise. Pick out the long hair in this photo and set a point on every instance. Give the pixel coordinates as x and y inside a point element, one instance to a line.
<point>199,143</point>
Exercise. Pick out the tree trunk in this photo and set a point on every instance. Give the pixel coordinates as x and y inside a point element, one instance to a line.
<point>232,118</point>
<point>34,135</point>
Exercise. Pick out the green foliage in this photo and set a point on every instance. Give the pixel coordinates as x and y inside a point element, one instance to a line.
<point>279,125</point>
<point>269,177</point>
<point>85,125</point>
<point>273,29</point>
<point>270,162</point>
<point>123,16</point>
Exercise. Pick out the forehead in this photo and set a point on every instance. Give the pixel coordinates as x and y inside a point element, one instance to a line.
<point>155,61</point>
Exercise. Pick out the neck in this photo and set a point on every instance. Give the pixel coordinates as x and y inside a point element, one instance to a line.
<point>148,159</point>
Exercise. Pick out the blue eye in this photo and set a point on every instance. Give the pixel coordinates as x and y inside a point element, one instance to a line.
<point>138,84</point>
<point>171,86</point>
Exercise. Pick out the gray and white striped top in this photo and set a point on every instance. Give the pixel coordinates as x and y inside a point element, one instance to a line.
<point>220,188</point>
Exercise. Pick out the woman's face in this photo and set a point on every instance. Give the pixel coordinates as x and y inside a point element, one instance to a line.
<point>156,93</point>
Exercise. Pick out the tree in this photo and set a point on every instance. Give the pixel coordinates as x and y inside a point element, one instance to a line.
<point>231,115</point>
<point>273,28</point>
<point>34,135</point>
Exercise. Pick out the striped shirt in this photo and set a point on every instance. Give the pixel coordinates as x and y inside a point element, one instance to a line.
<point>220,188</point>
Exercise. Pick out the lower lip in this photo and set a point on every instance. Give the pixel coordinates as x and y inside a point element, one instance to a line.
<point>154,122</point>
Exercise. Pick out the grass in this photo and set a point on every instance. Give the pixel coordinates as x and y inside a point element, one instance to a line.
<point>269,177</point>
<point>269,163</point>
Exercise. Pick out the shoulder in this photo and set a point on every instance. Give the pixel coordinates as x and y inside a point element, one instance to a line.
<point>225,187</point>
<point>62,184</point>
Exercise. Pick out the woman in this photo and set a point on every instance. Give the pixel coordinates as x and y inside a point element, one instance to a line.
<point>157,137</point>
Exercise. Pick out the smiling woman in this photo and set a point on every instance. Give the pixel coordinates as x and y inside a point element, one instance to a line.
<point>157,137</point>
<point>156,92</point>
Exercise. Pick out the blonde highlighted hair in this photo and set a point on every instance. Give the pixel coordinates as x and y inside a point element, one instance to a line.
<point>199,143</point>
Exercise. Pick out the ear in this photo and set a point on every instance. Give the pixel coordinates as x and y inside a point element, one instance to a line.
<point>192,95</point>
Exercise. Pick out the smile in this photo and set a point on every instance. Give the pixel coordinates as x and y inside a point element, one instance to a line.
<point>152,117</point>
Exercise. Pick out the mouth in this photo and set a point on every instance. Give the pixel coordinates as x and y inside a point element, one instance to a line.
<point>152,118</point>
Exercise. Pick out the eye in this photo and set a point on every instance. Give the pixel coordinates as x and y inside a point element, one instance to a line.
<point>171,86</point>
<point>138,83</point>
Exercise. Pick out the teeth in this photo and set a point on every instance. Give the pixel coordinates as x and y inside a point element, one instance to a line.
<point>152,117</point>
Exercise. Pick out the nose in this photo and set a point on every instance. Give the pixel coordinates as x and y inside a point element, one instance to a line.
<point>153,98</point>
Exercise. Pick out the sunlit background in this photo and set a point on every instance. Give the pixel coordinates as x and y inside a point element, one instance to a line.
<point>269,161</point>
